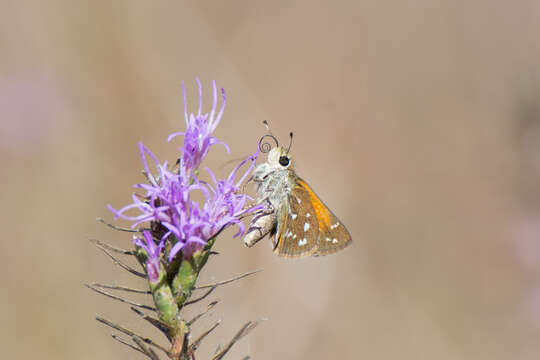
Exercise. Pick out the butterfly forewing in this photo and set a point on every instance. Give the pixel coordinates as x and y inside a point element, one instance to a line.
<point>333,239</point>
<point>298,228</point>
<point>332,235</point>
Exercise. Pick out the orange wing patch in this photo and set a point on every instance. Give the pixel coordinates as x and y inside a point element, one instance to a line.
<point>333,235</point>
<point>321,211</point>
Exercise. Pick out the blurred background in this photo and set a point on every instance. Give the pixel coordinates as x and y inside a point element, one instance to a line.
<point>417,122</point>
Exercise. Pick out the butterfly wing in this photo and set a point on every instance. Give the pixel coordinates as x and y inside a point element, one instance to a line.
<point>332,235</point>
<point>297,228</point>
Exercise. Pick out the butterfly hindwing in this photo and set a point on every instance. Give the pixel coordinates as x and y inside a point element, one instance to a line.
<point>281,224</point>
<point>298,231</point>
<point>332,235</point>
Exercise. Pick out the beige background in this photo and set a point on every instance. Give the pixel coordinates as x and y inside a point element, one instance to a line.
<point>418,122</point>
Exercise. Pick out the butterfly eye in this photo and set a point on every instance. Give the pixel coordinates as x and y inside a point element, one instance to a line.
<point>284,161</point>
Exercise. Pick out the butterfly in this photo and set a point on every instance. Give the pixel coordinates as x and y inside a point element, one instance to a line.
<point>296,219</point>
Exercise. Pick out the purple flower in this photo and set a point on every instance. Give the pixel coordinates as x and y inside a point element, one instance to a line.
<point>168,199</point>
<point>198,135</point>
<point>154,255</point>
<point>223,207</point>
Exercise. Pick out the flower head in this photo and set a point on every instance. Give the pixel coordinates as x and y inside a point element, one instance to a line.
<point>154,255</point>
<point>168,195</point>
<point>198,135</point>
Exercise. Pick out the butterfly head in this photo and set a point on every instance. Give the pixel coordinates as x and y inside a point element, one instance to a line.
<point>279,158</point>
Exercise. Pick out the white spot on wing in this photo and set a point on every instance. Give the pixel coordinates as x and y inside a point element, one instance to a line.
<point>334,226</point>
<point>293,216</point>
<point>294,236</point>
<point>334,240</point>
<point>298,199</point>
<point>306,227</point>
<point>327,239</point>
<point>302,242</point>
<point>308,215</point>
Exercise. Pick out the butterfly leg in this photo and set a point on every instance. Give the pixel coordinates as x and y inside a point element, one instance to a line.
<point>263,199</point>
<point>261,225</point>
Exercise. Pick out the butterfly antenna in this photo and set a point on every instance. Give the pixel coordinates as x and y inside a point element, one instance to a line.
<point>264,146</point>
<point>290,142</point>
<point>267,127</point>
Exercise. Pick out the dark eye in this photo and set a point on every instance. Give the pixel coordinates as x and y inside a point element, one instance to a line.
<point>284,161</point>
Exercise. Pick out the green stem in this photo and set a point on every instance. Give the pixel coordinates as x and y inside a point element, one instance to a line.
<point>184,281</point>
<point>162,294</point>
<point>164,301</point>
<point>188,272</point>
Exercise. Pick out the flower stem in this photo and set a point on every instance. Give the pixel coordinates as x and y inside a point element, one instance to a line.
<point>161,293</point>
<point>184,281</point>
<point>164,301</point>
